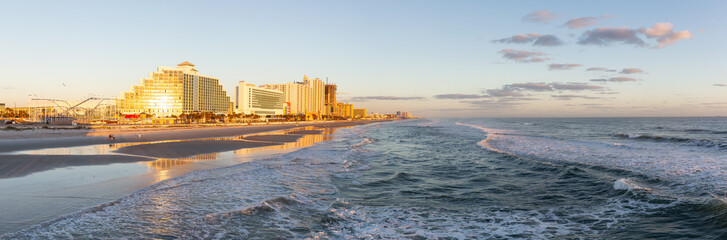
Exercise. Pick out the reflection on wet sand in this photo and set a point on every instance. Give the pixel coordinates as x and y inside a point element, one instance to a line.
<point>167,163</point>
<point>28,162</point>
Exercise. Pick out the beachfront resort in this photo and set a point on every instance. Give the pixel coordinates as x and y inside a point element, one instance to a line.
<point>182,95</point>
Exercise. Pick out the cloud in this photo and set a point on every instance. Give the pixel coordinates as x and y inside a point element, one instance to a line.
<point>566,66</point>
<point>720,85</point>
<point>574,86</point>
<point>542,16</point>
<point>366,98</point>
<point>577,23</point>
<point>519,38</point>
<point>536,39</point>
<point>601,69</point>
<point>459,96</point>
<point>631,71</point>
<point>546,87</point>
<point>614,79</point>
<point>504,93</point>
<point>664,34</point>
<point>658,30</point>
<point>523,56</point>
<point>605,36</point>
<point>569,97</point>
<point>515,91</point>
<point>500,103</point>
<point>548,40</point>
<point>538,87</point>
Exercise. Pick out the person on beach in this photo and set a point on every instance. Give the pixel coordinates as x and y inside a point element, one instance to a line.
<point>111,137</point>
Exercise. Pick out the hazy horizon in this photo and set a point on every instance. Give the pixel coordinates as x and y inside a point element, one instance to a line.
<point>525,59</point>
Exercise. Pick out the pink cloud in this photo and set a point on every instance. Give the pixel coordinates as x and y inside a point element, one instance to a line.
<point>577,23</point>
<point>523,56</point>
<point>664,34</point>
<point>542,16</point>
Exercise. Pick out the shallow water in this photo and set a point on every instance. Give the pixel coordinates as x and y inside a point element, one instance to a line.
<point>447,179</point>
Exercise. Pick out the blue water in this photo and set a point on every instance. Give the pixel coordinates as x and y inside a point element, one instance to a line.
<point>635,178</point>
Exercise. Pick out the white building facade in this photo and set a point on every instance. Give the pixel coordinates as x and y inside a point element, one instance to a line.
<point>257,100</point>
<point>303,97</point>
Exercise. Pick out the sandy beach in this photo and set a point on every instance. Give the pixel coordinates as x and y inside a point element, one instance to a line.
<point>49,173</point>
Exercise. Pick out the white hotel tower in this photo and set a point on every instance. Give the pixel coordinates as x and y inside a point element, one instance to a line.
<point>260,101</point>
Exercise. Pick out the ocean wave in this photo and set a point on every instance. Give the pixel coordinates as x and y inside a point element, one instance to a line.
<point>693,173</point>
<point>696,130</point>
<point>629,185</point>
<point>693,142</point>
<point>274,196</point>
<point>358,222</point>
<point>363,142</point>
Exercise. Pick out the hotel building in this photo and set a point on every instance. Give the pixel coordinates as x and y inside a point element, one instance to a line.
<point>345,110</point>
<point>330,102</point>
<point>359,112</point>
<point>173,91</point>
<point>260,101</point>
<point>305,97</point>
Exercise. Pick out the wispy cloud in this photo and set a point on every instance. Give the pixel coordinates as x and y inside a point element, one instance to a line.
<point>538,87</point>
<point>542,16</point>
<point>600,69</point>
<point>565,66</point>
<point>581,22</point>
<point>504,93</point>
<point>499,103</point>
<point>459,96</point>
<point>574,86</point>
<point>605,36</point>
<point>720,85</point>
<point>523,56</point>
<point>664,34</point>
<point>569,97</point>
<point>384,98</point>
<point>631,71</point>
<point>614,79</point>
<point>536,39</point>
<point>543,87</point>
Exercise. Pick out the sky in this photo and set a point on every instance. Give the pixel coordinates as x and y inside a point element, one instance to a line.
<point>431,58</point>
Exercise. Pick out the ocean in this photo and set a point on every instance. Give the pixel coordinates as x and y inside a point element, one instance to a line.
<point>556,178</point>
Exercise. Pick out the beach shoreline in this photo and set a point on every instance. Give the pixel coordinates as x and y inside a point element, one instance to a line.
<point>47,177</point>
<point>12,141</point>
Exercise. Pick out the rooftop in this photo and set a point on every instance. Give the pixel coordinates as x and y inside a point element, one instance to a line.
<point>186,63</point>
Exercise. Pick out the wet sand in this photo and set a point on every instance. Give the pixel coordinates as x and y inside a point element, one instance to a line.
<point>187,149</point>
<point>70,138</point>
<point>38,187</point>
<point>12,166</point>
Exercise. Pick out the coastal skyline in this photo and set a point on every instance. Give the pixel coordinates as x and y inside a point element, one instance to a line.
<point>472,59</point>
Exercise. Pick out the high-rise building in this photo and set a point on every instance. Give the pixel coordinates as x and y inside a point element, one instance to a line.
<point>330,102</point>
<point>296,96</point>
<point>173,91</point>
<point>345,110</point>
<point>317,95</point>
<point>256,100</point>
<point>305,97</point>
<point>359,112</point>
